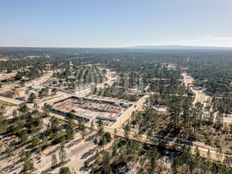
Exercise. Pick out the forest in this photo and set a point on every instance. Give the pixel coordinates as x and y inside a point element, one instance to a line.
<point>155,73</point>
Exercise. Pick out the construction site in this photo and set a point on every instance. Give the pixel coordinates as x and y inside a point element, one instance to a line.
<point>90,109</point>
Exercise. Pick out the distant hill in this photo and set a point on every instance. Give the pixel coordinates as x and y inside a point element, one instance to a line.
<point>179,47</point>
<point>42,51</point>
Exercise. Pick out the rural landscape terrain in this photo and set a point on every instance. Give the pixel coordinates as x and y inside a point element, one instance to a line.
<point>115,111</point>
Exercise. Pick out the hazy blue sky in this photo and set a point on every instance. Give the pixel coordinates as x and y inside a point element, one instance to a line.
<point>115,23</point>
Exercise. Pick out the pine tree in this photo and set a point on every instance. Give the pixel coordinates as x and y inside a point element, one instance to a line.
<point>54,160</point>
<point>62,154</point>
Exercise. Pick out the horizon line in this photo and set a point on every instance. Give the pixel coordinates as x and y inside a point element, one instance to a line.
<point>124,47</point>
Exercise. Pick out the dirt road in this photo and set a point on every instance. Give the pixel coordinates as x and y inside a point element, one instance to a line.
<point>11,100</point>
<point>200,95</point>
<point>39,81</point>
<point>110,80</point>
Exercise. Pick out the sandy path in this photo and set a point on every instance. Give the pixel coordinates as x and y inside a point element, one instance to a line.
<point>110,80</point>
<point>200,96</point>
<point>39,81</point>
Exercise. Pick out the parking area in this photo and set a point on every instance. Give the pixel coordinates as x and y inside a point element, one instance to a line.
<point>90,108</point>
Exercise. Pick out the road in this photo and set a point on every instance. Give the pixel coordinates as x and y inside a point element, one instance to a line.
<point>11,100</point>
<point>39,81</point>
<point>127,114</point>
<point>35,82</point>
<point>203,149</point>
<point>170,143</point>
<point>80,93</point>
<point>200,96</point>
<point>110,80</point>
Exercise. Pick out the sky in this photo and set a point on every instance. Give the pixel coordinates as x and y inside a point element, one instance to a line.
<point>115,23</point>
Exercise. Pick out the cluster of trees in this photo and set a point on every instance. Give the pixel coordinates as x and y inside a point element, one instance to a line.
<point>115,92</point>
<point>28,165</point>
<point>184,162</point>
<point>59,132</point>
<point>27,126</point>
<point>89,74</point>
<point>179,120</point>
<point>132,80</point>
<point>125,155</point>
<point>122,155</point>
<point>83,74</point>
<point>211,69</point>
<point>62,157</point>
<point>64,170</point>
<point>44,92</point>
<point>80,75</point>
<point>223,104</point>
<point>3,121</point>
<point>28,74</point>
<point>123,87</point>
<point>168,86</point>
